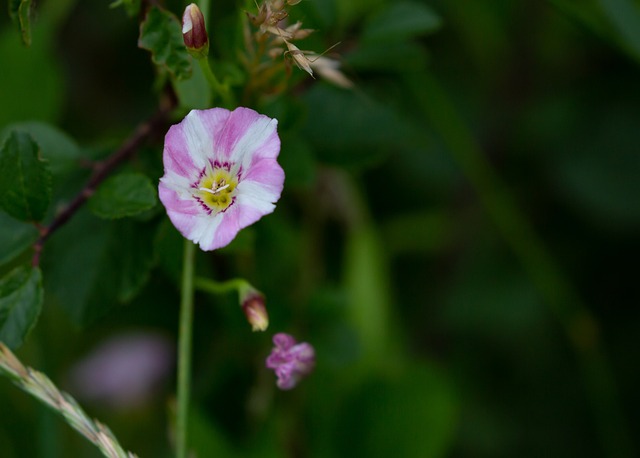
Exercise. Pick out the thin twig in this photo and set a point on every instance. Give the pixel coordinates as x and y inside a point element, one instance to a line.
<point>103,169</point>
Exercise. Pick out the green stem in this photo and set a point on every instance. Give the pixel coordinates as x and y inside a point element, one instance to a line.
<point>184,349</point>
<point>217,86</point>
<point>214,287</point>
<point>563,300</point>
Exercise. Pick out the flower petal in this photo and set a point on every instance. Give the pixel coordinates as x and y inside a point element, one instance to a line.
<point>246,134</point>
<point>258,196</point>
<point>175,156</point>
<point>179,184</point>
<point>191,142</point>
<point>268,173</point>
<point>173,202</point>
<point>205,232</point>
<point>182,213</point>
<point>189,218</point>
<point>237,217</point>
<point>291,361</point>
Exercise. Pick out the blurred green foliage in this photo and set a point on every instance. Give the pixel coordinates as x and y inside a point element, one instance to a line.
<point>440,225</point>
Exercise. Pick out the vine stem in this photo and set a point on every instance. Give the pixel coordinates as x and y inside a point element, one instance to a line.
<point>217,86</point>
<point>103,169</point>
<point>214,287</point>
<point>184,350</point>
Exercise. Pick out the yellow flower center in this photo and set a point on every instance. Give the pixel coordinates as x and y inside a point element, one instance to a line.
<point>216,189</point>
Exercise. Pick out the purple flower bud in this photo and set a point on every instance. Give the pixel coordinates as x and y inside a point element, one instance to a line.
<point>290,360</point>
<point>194,32</point>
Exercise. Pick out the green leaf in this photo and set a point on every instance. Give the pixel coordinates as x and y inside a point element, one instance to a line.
<point>491,297</point>
<point>351,128</point>
<point>207,439</point>
<point>401,21</point>
<point>614,21</point>
<point>20,304</point>
<point>161,34</point>
<point>625,17</point>
<point>109,264</point>
<point>366,281</point>
<point>76,253</point>
<point>129,255</point>
<point>581,163</point>
<point>586,13</point>
<point>391,56</point>
<point>414,414</point>
<point>15,237</point>
<point>417,233</point>
<point>60,150</point>
<point>132,7</point>
<point>123,195</point>
<point>297,160</point>
<point>24,93</point>
<point>20,11</point>
<point>593,161</point>
<point>25,180</point>
<point>351,11</point>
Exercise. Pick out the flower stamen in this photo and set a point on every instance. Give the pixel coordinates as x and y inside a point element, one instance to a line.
<point>214,190</point>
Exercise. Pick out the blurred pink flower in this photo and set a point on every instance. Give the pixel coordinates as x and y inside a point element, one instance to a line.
<point>123,371</point>
<point>290,360</point>
<point>220,173</point>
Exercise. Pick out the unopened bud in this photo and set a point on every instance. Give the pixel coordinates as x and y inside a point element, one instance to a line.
<point>194,32</point>
<point>252,303</point>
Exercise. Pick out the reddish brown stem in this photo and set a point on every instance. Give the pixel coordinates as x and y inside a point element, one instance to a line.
<point>102,171</point>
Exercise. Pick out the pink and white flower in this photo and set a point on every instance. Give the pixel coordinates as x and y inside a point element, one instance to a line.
<point>220,173</point>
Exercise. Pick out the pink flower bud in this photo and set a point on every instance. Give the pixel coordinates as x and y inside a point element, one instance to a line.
<point>194,32</point>
<point>255,311</point>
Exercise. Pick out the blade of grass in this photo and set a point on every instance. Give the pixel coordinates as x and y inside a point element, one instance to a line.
<point>42,388</point>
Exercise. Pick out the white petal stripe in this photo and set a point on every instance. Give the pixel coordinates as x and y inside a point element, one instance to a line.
<point>257,195</point>
<point>200,128</point>
<point>253,139</point>
<point>205,231</point>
